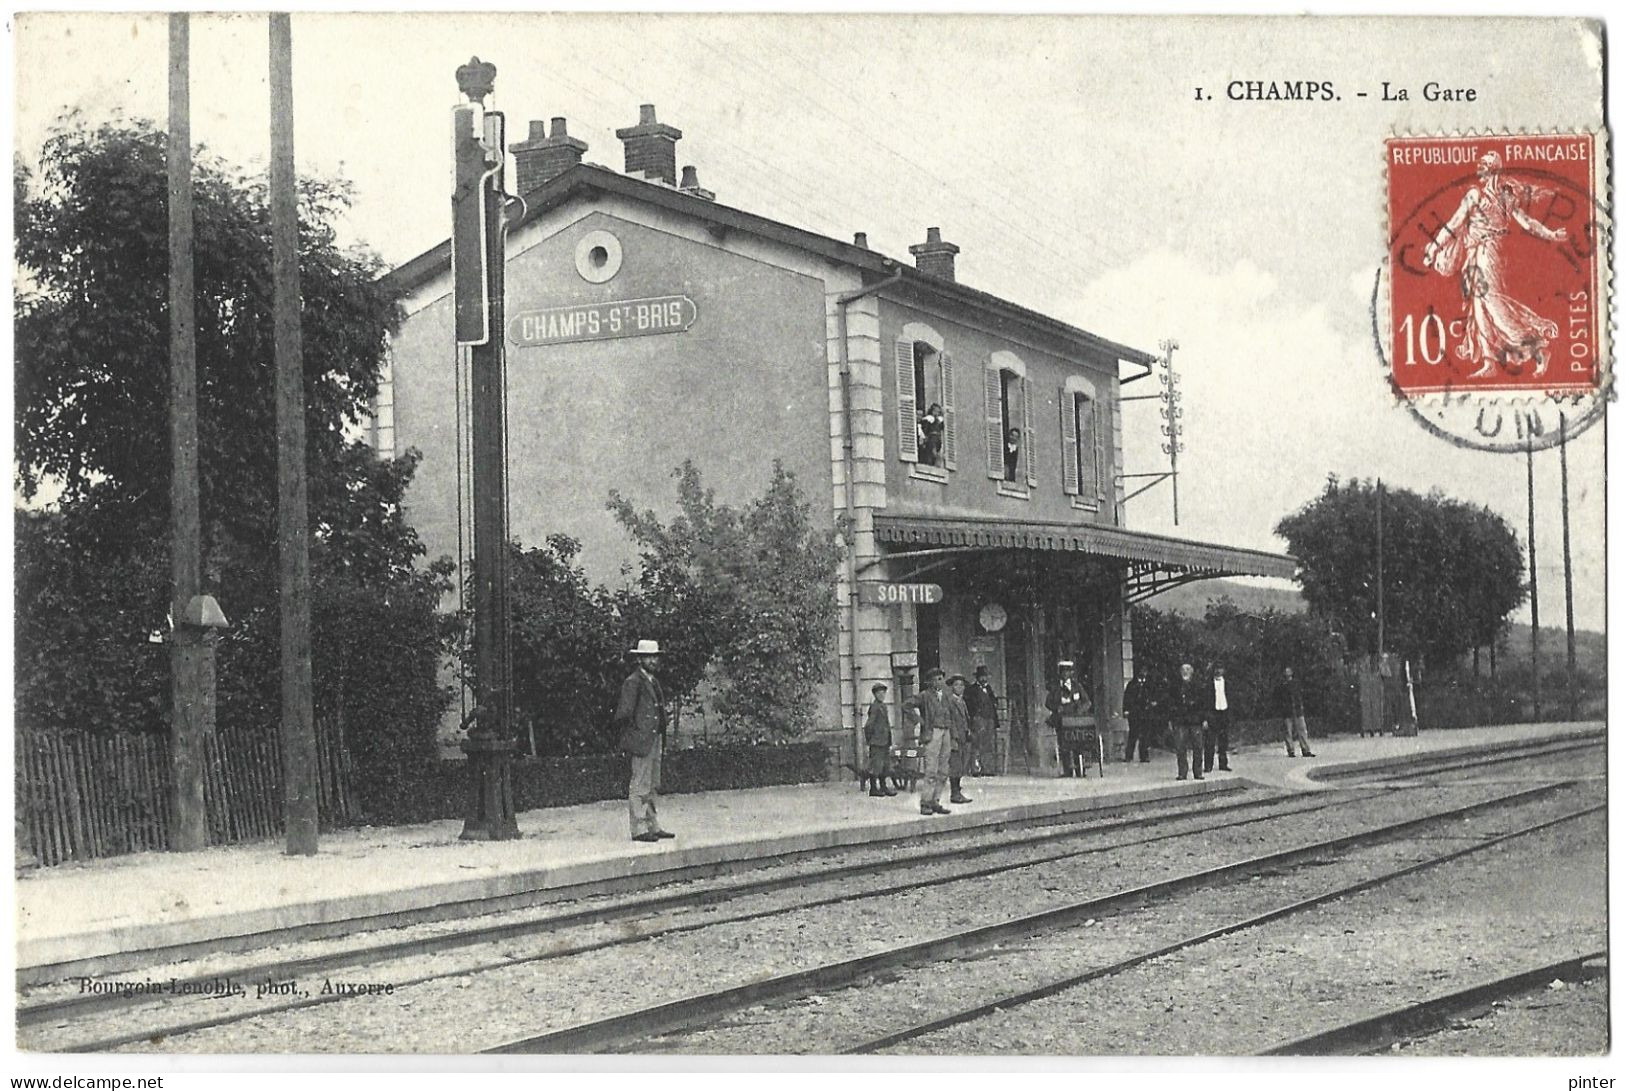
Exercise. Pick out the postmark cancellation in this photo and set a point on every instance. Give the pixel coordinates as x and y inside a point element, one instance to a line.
<point>1494,331</point>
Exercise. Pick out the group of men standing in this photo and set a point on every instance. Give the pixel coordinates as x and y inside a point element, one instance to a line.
<point>1197,714</point>
<point>955,724</point>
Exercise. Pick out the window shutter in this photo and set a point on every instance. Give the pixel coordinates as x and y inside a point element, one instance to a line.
<point>1069,443</point>
<point>950,427</point>
<point>908,436</point>
<point>992,389</point>
<point>1100,450</point>
<point>1027,448</point>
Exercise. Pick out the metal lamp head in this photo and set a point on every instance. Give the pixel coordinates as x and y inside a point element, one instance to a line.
<point>204,613</point>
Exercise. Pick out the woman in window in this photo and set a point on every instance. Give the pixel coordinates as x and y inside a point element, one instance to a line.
<point>1012,453</point>
<point>930,427</point>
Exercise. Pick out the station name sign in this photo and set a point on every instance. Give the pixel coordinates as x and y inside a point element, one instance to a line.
<point>602,321</point>
<point>898,594</point>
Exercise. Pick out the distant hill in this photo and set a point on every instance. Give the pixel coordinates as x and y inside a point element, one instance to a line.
<point>1192,599</point>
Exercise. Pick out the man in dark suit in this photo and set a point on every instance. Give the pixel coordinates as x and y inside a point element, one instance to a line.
<point>959,732</point>
<point>1187,713</point>
<point>931,707</point>
<point>984,724</point>
<point>877,737</point>
<point>1068,704</point>
<point>641,717</point>
<point>1139,709</point>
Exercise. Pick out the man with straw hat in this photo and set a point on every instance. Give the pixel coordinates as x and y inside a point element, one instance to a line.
<point>641,717</point>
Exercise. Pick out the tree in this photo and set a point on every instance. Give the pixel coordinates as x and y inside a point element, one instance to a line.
<point>569,650</point>
<point>1452,571</point>
<point>746,596</point>
<point>92,381</point>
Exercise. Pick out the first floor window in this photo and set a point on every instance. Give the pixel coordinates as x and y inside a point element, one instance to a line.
<point>925,404</point>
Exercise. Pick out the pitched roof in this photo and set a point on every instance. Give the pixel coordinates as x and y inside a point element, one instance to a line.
<point>589,177</point>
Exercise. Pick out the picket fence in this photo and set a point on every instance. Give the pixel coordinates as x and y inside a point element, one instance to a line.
<point>82,796</point>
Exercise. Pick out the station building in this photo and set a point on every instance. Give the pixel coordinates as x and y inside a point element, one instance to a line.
<point>649,323</point>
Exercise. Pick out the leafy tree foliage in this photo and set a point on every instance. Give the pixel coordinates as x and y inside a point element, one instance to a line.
<point>748,593</point>
<point>1452,571</point>
<point>92,429</point>
<point>1254,649</point>
<point>569,650</point>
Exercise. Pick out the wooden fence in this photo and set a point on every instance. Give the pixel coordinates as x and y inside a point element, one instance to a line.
<point>82,796</point>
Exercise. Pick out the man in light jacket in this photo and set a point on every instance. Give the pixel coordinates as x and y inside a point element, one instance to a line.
<point>932,708</point>
<point>641,717</point>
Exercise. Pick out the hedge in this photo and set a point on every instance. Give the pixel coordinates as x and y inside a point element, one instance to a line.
<point>425,792</point>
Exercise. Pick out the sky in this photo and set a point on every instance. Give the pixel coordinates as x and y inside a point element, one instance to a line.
<point>1069,158</point>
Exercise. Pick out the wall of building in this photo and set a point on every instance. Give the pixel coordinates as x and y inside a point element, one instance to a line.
<point>969,491</point>
<point>745,384</point>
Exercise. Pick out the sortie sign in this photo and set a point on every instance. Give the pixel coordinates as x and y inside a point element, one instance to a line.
<point>897,594</point>
<point>602,321</point>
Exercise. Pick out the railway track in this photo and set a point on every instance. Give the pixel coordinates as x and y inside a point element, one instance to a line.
<point>63,1011</point>
<point>686,1012</point>
<point>1377,1033</point>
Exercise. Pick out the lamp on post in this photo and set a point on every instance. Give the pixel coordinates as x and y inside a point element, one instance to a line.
<point>479,247</point>
<point>193,637</point>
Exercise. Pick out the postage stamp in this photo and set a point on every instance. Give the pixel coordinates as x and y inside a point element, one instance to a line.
<point>1497,317</point>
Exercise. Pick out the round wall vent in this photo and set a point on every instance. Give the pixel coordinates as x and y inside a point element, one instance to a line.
<point>598,256</point>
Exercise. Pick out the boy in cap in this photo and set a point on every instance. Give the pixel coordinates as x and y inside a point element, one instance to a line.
<point>877,736</point>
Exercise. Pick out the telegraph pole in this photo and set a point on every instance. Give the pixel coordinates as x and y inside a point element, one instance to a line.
<point>1534,576</point>
<point>1568,567</point>
<point>191,647</point>
<point>1381,614</point>
<point>478,258</point>
<point>1172,415</point>
<point>293,521</point>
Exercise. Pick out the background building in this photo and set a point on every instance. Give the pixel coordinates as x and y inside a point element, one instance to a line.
<point>965,441</point>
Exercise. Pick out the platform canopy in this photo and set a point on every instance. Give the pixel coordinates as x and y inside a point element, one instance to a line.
<point>1154,562</point>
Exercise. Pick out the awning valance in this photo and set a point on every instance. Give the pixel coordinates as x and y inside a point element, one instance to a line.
<point>1145,553</point>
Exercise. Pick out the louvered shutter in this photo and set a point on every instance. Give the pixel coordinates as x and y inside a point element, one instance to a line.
<point>1100,449</point>
<point>1027,448</point>
<point>992,390</point>
<point>908,436</point>
<point>950,427</point>
<point>1069,443</point>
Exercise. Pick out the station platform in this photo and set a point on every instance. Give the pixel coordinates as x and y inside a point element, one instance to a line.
<point>106,914</point>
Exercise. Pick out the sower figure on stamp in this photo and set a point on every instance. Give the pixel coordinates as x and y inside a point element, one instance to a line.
<point>1187,713</point>
<point>959,732</point>
<point>641,717</point>
<point>1289,706</point>
<point>931,707</point>
<point>1217,735</point>
<point>877,737</point>
<point>1139,709</point>
<point>984,724</point>
<point>1068,704</point>
<point>1499,329</point>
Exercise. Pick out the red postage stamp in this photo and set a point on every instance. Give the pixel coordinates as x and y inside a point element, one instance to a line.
<point>1496,245</point>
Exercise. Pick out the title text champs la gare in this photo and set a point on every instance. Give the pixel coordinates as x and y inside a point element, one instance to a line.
<point>1326,91</point>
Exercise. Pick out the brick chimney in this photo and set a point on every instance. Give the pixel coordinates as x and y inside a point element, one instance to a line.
<point>544,157</point>
<point>691,185</point>
<point>933,257</point>
<point>651,148</point>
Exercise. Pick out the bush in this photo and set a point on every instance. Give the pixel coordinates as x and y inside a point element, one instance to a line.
<point>432,790</point>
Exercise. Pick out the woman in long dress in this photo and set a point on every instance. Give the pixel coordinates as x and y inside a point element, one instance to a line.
<point>1499,328</point>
